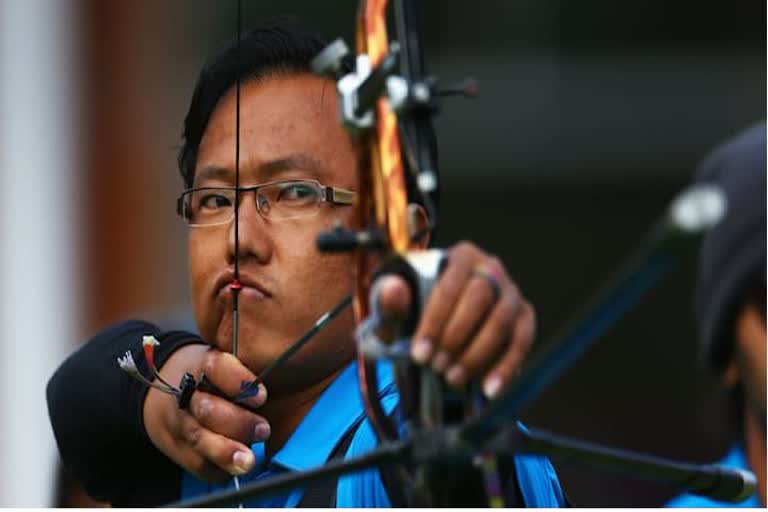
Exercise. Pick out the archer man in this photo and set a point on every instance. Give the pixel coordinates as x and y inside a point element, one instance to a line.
<point>133,447</point>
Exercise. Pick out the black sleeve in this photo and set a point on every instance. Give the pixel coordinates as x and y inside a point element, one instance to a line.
<point>96,414</point>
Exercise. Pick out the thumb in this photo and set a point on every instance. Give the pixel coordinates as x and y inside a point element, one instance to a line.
<point>392,296</point>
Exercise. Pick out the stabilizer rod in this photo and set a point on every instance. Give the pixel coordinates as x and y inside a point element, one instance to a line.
<point>693,212</point>
<point>714,481</point>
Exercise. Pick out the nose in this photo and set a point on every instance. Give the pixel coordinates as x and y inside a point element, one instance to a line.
<point>249,236</point>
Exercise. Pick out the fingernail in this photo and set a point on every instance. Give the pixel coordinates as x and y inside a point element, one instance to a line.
<point>492,386</point>
<point>248,390</point>
<point>243,462</point>
<point>440,361</point>
<point>421,350</point>
<point>455,375</point>
<point>262,431</point>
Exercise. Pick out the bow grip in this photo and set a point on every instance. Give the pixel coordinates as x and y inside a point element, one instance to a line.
<point>420,270</point>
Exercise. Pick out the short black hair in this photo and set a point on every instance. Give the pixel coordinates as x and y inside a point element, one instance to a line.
<point>280,46</point>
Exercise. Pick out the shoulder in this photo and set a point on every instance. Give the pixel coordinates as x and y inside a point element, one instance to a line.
<point>538,481</point>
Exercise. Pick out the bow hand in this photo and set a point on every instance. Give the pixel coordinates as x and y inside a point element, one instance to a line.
<point>475,324</point>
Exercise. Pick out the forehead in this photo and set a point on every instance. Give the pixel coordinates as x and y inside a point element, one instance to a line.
<point>283,120</point>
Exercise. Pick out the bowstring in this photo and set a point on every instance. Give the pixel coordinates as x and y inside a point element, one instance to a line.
<point>236,289</point>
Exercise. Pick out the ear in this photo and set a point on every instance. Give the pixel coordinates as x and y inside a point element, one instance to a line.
<point>731,374</point>
<point>748,346</point>
<point>418,223</point>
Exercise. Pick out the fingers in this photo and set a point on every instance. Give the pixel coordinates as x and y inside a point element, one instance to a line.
<point>210,438</point>
<point>216,432</point>
<point>487,345</point>
<point>502,374</point>
<point>469,315</point>
<point>476,324</point>
<point>213,456</point>
<point>227,419</point>
<point>228,374</point>
<point>440,305</point>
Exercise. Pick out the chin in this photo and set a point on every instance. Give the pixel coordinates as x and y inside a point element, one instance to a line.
<point>258,350</point>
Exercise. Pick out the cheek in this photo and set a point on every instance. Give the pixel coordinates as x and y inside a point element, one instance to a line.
<point>197,260</point>
<point>316,271</point>
<point>202,273</point>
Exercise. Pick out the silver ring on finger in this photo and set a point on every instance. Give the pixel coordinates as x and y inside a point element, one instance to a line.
<point>491,278</point>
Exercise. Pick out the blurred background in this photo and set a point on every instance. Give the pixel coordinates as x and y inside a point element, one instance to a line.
<point>591,116</point>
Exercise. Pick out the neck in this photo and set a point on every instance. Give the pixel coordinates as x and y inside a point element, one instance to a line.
<point>754,446</point>
<point>285,411</point>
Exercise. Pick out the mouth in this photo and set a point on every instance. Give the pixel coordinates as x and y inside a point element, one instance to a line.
<point>245,286</point>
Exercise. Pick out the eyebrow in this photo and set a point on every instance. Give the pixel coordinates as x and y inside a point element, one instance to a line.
<point>266,171</point>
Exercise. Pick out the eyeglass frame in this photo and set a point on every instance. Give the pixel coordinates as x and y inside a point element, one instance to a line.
<point>328,194</point>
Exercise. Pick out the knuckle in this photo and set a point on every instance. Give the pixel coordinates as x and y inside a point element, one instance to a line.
<point>203,409</point>
<point>464,246</point>
<point>464,252</point>
<point>209,362</point>
<point>193,435</point>
<point>494,263</point>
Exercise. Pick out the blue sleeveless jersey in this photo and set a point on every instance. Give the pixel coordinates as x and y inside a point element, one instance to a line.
<point>338,409</point>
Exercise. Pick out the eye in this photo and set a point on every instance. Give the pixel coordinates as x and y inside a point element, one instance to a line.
<point>298,193</point>
<point>210,200</point>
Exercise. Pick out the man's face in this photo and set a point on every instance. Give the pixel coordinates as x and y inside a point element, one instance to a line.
<point>289,129</point>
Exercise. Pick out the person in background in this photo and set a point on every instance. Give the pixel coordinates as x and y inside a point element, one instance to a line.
<point>731,301</point>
